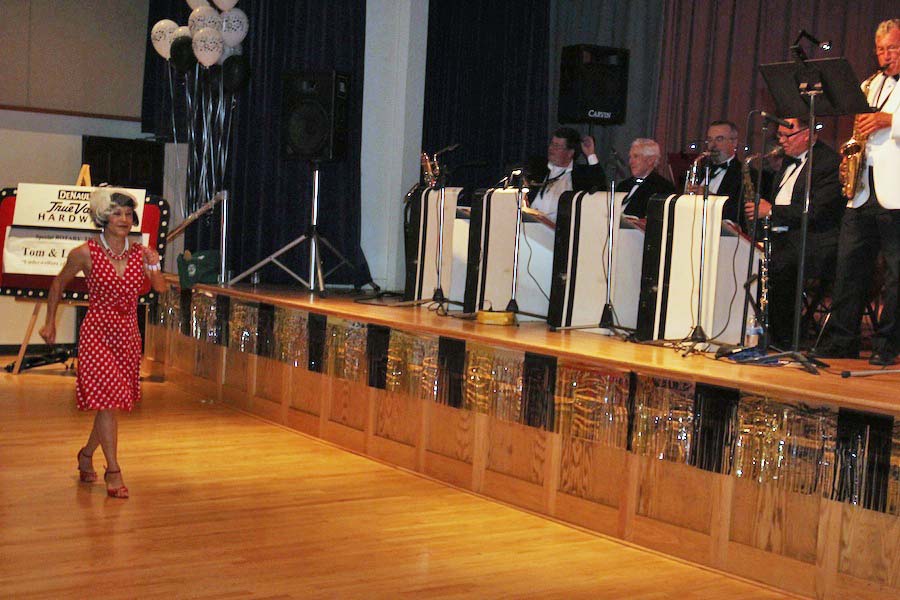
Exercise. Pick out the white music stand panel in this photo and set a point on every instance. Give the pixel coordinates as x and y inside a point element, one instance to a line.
<point>428,242</point>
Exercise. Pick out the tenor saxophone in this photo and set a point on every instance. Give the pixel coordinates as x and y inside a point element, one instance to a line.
<point>748,189</point>
<point>853,153</point>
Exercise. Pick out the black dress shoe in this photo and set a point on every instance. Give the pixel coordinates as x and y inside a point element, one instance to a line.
<point>883,359</point>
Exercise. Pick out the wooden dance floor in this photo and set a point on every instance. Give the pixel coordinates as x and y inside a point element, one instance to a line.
<point>226,505</point>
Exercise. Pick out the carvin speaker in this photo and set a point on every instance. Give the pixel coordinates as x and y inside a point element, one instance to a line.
<point>314,115</point>
<point>593,85</point>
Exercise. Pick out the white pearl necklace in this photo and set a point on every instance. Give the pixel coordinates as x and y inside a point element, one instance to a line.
<point>109,251</point>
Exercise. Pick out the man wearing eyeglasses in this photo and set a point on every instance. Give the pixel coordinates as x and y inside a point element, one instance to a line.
<point>871,222</point>
<point>725,168</point>
<point>788,196</point>
<point>563,174</point>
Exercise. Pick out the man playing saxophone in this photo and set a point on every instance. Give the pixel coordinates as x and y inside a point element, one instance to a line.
<point>786,209</point>
<point>871,222</point>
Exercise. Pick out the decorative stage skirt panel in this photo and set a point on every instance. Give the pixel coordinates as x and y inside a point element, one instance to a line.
<point>494,382</point>
<point>204,318</point>
<point>243,326</point>
<point>591,404</point>
<point>291,337</point>
<point>789,445</point>
<point>663,418</point>
<point>345,350</point>
<point>412,365</point>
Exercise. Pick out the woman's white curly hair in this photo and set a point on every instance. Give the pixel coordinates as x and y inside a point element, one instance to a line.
<point>104,201</point>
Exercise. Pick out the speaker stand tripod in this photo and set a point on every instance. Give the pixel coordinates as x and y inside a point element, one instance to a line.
<point>315,282</point>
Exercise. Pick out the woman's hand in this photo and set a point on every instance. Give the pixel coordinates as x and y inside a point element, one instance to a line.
<point>48,332</point>
<point>151,256</point>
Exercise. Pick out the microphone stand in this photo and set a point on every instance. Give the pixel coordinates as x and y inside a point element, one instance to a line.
<point>697,335</point>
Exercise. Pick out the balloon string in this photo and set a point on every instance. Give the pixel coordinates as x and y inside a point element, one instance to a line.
<point>179,201</point>
<point>189,182</point>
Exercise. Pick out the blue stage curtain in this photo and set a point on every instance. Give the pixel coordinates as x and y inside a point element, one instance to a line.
<point>271,194</point>
<point>486,85</point>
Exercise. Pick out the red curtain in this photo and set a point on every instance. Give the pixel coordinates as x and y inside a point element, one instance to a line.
<point>711,52</point>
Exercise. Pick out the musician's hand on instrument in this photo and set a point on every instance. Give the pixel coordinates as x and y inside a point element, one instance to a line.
<point>869,123</point>
<point>765,209</point>
<point>587,145</point>
<point>48,333</point>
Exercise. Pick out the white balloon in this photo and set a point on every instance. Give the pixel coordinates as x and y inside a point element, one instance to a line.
<point>208,46</point>
<point>197,3</point>
<point>161,37</point>
<point>182,31</point>
<point>235,25</point>
<point>204,16</point>
<point>225,4</point>
<point>230,51</point>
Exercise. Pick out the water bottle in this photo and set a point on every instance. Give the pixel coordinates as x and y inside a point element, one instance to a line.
<point>754,330</point>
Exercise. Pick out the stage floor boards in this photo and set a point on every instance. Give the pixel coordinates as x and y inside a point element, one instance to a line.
<point>225,505</point>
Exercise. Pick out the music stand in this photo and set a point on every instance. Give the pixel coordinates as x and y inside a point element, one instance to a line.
<point>823,87</point>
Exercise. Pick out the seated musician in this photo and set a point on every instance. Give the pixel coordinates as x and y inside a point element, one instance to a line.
<point>643,158</point>
<point>563,174</point>
<point>785,205</point>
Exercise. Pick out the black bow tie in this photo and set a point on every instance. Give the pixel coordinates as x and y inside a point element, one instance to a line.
<point>791,160</point>
<point>895,77</point>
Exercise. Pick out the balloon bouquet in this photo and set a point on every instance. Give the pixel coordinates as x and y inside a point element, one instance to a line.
<point>207,53</point>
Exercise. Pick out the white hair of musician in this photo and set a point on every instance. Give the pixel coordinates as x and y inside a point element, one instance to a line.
<point>104,201</point>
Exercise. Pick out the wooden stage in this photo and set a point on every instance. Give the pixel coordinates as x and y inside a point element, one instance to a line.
<point>768,473</point>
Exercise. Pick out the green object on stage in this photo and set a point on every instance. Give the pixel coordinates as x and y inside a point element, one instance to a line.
<point>199,267</point>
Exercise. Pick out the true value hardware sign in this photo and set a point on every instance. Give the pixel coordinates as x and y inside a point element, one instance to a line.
<point>49,222</point>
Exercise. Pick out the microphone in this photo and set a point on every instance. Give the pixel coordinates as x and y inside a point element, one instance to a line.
<point>773,119</point>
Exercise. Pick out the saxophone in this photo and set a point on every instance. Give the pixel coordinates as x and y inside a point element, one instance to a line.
<point>748,188</point>
<point>853,153</point>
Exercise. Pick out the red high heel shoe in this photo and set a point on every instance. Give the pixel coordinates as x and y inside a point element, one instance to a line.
<point>85,476</point>
<point>119,492</point>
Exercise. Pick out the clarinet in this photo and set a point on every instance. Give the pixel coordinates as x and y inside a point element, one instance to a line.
<point>764,282</point>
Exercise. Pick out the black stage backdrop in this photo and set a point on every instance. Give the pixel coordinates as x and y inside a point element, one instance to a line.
<point>270,194</point>
<point>486,85</point>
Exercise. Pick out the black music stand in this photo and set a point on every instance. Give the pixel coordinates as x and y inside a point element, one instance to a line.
<point>823,87</point>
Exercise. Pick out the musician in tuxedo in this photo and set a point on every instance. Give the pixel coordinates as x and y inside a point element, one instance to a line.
<point>785,205</point>
<point>725,168</point>
<point>871,222</point>
<point>643,158</point>
<point>562,172</point>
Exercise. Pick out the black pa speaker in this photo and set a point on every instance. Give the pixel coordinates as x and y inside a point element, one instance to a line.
<point>593,85</point>
<point>314,115</point>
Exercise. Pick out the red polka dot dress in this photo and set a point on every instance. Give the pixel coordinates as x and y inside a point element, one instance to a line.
<point>109,347</point>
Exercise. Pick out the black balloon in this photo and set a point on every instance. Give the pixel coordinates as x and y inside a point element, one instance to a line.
<point>182,54</point>
<point>235,73</point>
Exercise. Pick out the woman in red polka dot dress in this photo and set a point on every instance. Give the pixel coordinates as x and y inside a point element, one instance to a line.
<point>109,347</point>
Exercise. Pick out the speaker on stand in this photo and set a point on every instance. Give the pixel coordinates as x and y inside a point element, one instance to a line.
<point>314,123</point>
<point>593,85</point>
